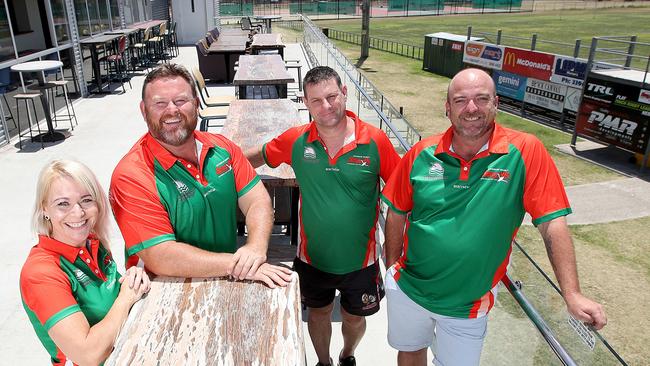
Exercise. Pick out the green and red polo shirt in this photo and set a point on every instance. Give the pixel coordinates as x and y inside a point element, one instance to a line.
<point>463,216</point>
<point>339,195</point>
<point>58,280</point>
<point>157,197</point>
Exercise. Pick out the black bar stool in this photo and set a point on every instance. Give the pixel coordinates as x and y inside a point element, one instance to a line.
<point>26,98</point>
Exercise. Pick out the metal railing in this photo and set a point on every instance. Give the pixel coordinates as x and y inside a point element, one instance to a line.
<point>321,51</point>
<point>398,48</point>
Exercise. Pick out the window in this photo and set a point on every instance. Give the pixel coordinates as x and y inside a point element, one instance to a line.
<point>19,17</point>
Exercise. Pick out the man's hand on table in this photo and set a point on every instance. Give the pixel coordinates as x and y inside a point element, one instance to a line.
<point>273,276</point>
<point>247,260</point>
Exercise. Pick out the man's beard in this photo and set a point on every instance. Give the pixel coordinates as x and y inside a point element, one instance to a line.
<point>176,137</point>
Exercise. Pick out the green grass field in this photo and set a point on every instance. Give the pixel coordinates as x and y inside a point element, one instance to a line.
<point>559,26</point>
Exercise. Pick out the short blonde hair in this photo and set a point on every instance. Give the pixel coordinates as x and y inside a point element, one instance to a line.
<point>83,176</point>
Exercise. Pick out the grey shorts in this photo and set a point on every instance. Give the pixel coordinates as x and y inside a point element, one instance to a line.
<point>453,341</point>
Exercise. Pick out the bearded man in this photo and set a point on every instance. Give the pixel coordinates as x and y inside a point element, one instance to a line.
<point>175,193</point>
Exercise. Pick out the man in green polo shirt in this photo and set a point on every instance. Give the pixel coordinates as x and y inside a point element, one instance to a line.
<point>338,160</point>
<point>175,193</point>
<point>463,195</point>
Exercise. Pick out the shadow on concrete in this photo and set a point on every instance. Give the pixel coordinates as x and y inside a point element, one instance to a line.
<point>609,157</point>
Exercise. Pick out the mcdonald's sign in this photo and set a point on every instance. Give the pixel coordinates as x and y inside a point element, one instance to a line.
<point>532,64</point>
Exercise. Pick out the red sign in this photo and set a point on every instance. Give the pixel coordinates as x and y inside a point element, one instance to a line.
<point>455,46</point>
<point>528,63</point>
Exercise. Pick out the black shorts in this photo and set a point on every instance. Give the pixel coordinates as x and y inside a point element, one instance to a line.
<point>360,290</point>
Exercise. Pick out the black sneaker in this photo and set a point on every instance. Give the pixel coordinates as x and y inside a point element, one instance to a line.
<point>348,361</point>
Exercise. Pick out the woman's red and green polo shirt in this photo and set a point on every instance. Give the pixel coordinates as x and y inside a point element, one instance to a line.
<point>339,196</point>
<point>58,280</point>
<point>157,197</point>
<point>463,216</point>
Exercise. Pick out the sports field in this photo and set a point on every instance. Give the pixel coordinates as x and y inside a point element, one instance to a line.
<point>614,258</point>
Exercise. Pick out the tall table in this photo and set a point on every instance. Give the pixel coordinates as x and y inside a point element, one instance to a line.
<point>267,20</point>
<point>262,70</point>
<point>251,123</point>
<point>267,42</point>
<point>39,67</point>
<point>212,321</point>
<point>94,43</point>
<point>231,47</point>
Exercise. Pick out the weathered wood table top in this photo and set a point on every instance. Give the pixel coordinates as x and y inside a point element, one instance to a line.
<point>252,122</point>
<point>261,70</point>
<point>212,321</point>
<point>229,44</point>
<point>267,40</point>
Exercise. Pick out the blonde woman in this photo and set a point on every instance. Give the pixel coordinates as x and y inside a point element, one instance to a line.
<point>74,296</point>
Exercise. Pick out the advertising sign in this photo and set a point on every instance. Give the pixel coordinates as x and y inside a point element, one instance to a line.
<point>569,71</point>
<point>483,54</point>
<point>457,46</point>
<point>509,85</point>
<point>545,94</point>
<point>614,112</point>
<point>533,64</point>
<point>572,99</point>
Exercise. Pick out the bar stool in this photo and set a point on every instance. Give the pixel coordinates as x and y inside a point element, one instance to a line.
<point>54,91</point>
<point>26,98</point>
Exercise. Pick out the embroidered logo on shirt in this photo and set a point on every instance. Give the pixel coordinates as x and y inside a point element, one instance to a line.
<point>496,174</point>
<point>224,168</point>
<point>435,172</point>
<point>359,160</point>
<point>309,153</point>
<point>184,192</point>
<point>83,278</point>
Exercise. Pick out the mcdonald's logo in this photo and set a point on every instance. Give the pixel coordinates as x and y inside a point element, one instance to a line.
<point>510,59</point>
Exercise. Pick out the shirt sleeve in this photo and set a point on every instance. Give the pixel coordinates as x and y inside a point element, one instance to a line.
<point>544,194</point>
<point>245,175</point>
<point>278,150</point>
<point>47,293</point>
<point>388,157</point>
<point>138,211</point>
<point>398,191</point>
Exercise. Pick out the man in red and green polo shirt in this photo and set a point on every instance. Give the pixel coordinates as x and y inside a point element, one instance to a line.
<point>463,195</point>
<point>338,161</point>
<point>175,193</point>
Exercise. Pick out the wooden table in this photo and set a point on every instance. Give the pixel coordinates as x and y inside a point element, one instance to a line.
<point>267,20</point>
<point>212,321</point>
<point>231,47</point>
<point>147,24</point>
<point>262,70</point>
<point>39,67</point>
<point>251,123</point>
<point>94,43</point>
<point>267,42</point>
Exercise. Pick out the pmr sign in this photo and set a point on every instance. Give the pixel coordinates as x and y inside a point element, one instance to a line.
<point>483,54</point>
<point>569,71</point>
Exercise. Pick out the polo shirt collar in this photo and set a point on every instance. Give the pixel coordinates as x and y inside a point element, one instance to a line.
<point>361,133</point>
<point>67,251</point>
<point>166,158</point>
<point>498,143</point>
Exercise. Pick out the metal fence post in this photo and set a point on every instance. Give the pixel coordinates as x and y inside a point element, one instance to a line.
<point>630,52</point>
<point>533,42</point>
<point>576,49</point>
<point>499,36</point>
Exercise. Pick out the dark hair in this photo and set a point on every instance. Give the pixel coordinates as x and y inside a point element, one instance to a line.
<point>169,71</point>
<point>319,74</point>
